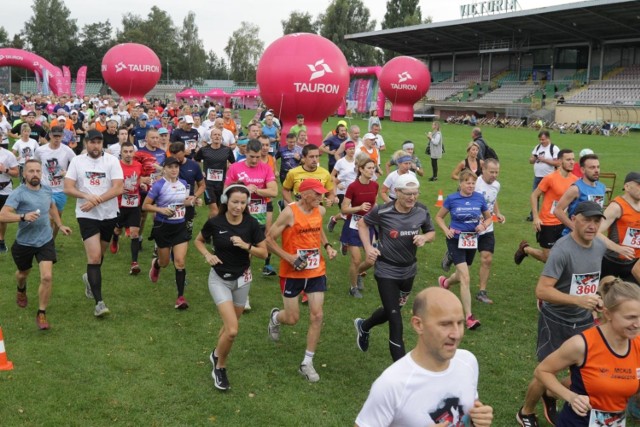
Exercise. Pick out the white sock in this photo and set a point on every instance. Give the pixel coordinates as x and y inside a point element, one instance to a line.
<point>308,357</point>
<point>274,318</point>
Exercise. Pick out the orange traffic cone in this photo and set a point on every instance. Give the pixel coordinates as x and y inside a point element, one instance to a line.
<point>5,365</point>
<point>440,199</point>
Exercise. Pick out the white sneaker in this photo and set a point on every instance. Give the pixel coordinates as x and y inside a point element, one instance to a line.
<point>87,287</point>
<point>309,373</point>
<point>101,309</point>
<point>247,306</point>
<point>273,329</point>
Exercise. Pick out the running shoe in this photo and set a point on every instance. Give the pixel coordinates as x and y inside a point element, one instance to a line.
<point>472,322</point>
<point>114,246</point>
<point>530,420</point>
<point>21,298</point>
<point>355,292</point>
<point>433,178</point>
<point>331,225</point>
<point>273,329</point>
<point>41,321</point>
<point>135,269</point>
<point>154,273</point>
<point>3,247</point>
<point>309,372</point>
<point>219,375</point>
<point>442,281</point>
<point>360,282</point>
<point>362,337</point>
<point>446,262</point>
<point>305,298</point>
<point>87,287</point>
<point>101,309</point>
<point>268,270</point>
<point>344,249</point>
<point>550,405</point>
<point>181,304</point>
<point>520,254</point>
<point>483,297</point>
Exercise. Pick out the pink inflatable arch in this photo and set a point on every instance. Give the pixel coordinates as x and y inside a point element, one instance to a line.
<point>10,57</point>
<point>366,71</point>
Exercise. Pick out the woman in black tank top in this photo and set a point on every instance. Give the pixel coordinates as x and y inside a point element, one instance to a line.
<point>471,162</point>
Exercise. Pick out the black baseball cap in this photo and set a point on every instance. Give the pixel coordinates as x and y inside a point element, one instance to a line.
<point>632,177</point>
<point>94,134</point>
<point>589,209</point>
<point>170,161</point>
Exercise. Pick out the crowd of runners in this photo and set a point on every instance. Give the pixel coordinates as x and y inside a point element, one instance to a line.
<point>121,161</point>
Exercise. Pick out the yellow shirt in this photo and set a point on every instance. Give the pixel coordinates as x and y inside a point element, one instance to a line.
<point>298,174</point>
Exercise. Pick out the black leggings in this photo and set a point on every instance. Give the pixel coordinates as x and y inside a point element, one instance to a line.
<point>393,294</point>
<point>434,167</point>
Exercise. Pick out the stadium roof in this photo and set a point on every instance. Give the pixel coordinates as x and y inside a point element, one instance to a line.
<point>572,24</point>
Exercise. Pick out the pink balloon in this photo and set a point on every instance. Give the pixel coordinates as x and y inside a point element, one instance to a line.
<point>303,74</point>
<point>131,69</point>
<point>404,81</point>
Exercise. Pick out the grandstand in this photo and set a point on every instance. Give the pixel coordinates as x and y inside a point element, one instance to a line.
<point>586,52</point>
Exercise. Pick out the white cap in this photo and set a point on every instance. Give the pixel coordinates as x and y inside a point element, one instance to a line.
<point>369,136</point>
<point>24,112</point>
<point>585,151</point>
<point>406,180</point>
<point>188,119</point>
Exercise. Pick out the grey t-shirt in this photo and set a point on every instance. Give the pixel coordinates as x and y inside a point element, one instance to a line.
<point>24,200</point>
<point>396,231</point>
<point>577,270</point>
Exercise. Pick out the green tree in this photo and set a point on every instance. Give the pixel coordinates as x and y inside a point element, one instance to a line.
<point>299,22</point>
<point>156,32</point>
<point>216,67</point>
<point>193,59</point>
<point>4,37</point>
<point>244,49</point>
<point>50,32</point>
<point>401,13</point>
<point>346,17</point>
<point>93,43</point>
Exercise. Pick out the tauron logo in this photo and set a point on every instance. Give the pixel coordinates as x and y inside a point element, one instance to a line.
<point>120,66</point>
<point>404,76</point>
<point>315,73</point>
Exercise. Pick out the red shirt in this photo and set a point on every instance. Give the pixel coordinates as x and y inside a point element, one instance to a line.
<point>131,196</point>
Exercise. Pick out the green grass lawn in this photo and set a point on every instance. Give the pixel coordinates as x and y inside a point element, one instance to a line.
<point>147,364</point>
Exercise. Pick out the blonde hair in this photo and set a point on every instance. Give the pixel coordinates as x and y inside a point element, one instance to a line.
<point>616,291</point>
<point>398,154</point>
<point>471,144</point>
<point>467,173</point>
<point>362,160</point>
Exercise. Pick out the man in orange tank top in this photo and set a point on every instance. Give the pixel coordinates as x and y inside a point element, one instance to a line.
<point>623,223</point>
<point>302,266</point>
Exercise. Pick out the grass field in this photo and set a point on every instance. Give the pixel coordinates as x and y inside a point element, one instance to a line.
<point>147,364</point>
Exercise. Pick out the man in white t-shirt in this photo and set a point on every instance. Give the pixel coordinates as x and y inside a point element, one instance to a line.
<point>489,187</point>
<point>435,383</point>
<point>55,158</point>
<point>96,180</point>
<point>375,130</point>
<point>8,170</point>
<point>544,158</point>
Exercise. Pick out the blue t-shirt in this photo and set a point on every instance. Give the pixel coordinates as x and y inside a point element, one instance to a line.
<point>158,153</point>
<point>288,161</point>
<point>169,194</point>
<point>23,200</point>
<point>586,193</point>
<point>271,132</point>
<point>466,212</point>
<point>333,142</point>
<point>191,173</point>
<point>139,134</point>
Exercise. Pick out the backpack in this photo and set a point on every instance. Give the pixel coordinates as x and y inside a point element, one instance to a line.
<point>490,153</point>
<point>551,147</point>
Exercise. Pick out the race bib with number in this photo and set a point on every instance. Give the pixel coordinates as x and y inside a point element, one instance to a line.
<point>313,258</point>
<point>257,208</point>
<point>130,200</point>
<point>214,174</point>
<point>468,241</point>
<point>584,284</point>
<point>142,143</point>
<point>607,419</point>
<point>245,278</point>
<point>632,238</point>
<point>179,210</point>
<point>598,198</point>
<point>353,224</point>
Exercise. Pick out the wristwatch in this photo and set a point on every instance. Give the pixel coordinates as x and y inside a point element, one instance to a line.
<point>22,217</point>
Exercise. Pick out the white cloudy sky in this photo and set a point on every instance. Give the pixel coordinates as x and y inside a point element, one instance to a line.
<point>217,23</point>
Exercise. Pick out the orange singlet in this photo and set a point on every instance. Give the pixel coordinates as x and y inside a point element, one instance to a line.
<point>305,235</point>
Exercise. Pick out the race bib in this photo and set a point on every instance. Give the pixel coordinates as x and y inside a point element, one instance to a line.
<point>553,207</point>
<point>153,178</point>
<point>142,143</point>
<point>353,224</point>
<point>598,198</point>
<point>607,419</point>
<point>257,208</point>
<point>192,144</point>
<point>179,210</point>
<point>56,181</point>
<point>584,284</point>
<point>313,258</point>
<point>214,174</point>
<point>632,238</point>
<point>245,278</point>
<point>468,241</point>
<point>130,200</point>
